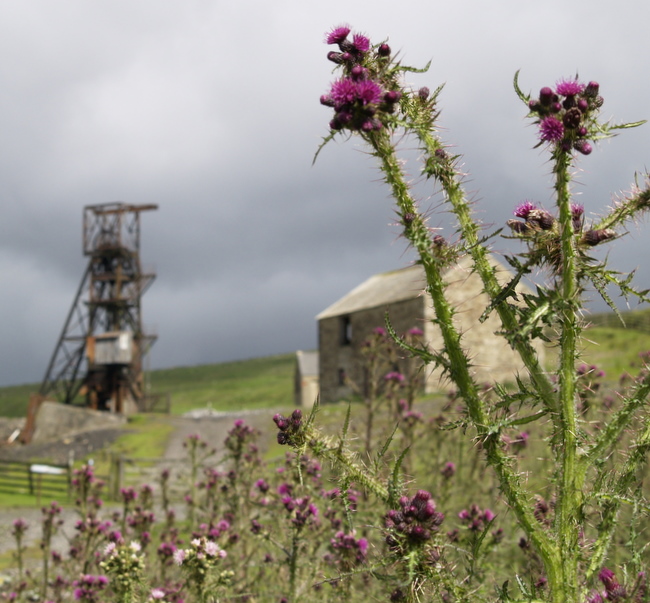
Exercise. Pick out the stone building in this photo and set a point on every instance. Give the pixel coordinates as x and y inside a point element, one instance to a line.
<point>344,326</point>
<point>306,378</point>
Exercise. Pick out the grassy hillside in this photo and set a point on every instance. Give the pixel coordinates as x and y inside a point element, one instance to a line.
<point>635,319</point>
<point>14,399</point>
<point>256,383</point>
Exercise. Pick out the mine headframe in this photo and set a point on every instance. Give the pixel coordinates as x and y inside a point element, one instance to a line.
<point>99,355</point>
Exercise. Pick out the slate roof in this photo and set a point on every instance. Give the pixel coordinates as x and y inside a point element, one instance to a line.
<point>397,285</point>
<point>379,290</point>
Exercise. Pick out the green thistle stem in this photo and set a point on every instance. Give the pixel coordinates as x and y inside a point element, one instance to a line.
<point>627,210</point>
<point>322,447</point>
<point>609,436</point>
<point>418,235</point>
<point>567,523</point>
<point>625,480</point>
<point>443,171</point>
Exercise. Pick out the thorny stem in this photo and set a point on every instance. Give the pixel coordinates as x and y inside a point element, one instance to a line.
<point>625,479</point>
<point>612,431</point>
<point>568,507</point>
<point>293,564</point>
<point>458,365</point>
<point>627,209</point>
<point>440,166</point>
<point>322,447</point>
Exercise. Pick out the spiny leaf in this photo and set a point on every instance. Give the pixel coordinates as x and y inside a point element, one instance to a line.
<point>476,546</point>
<point>346,426</point>
<point>528,419</point>
<point>313,412</point>
<point>408,69</point>
<point>384,449</point>
<point>394,485</point>
<point>508,291</point>
<point>599,285</point>
<point>634,124</point>
<point>524,97</point>
<point>502,592</point>
<point>425,355</point>
<point>326,139</point>
<point>522,587</point>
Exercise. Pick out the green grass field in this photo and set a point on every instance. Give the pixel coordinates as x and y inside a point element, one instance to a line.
<point>255,383</point>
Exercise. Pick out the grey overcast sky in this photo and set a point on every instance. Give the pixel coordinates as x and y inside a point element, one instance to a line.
<point>211,110</point>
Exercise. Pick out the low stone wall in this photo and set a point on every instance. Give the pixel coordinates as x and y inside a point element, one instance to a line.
<point>55,421</point>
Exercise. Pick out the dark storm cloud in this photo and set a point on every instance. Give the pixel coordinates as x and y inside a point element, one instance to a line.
<point>211,111</point>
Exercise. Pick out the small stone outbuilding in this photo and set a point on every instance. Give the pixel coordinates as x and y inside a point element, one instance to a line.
<point>306,378</point>
<point>345,326</point>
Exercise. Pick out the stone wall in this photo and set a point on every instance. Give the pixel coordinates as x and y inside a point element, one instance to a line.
<point>55,421</point>
<point>491,356</point>
<point>336,356</point>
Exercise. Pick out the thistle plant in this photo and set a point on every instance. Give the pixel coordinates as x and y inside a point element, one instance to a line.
<point>124,564</point>
<point>18,531</point>
<point>198,563</point>
<point>198,452</point>
<point>370,100</point>
<point>51,523</point>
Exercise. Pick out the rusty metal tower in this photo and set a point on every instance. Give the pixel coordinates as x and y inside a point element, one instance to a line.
<point>100,352</point>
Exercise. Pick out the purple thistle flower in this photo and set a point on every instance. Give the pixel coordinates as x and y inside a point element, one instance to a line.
<point>337,35</point>
<point>394,376</point>
<point>369,92</point>
<point>392,96</point>
<point>577,209</point>
<point>569,87</point>
<point>572,118</point>
<point>448,471</point>
<point>335,57</point>
<point>361,43</point>
<point>523,209</point>
<point>343,92</point>
<point>594,237</point>
<point>551,129</point>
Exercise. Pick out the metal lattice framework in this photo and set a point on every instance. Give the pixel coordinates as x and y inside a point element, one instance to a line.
<point>101,348</point>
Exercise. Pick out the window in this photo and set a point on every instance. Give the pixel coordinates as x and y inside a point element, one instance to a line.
<point>346,330</point>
